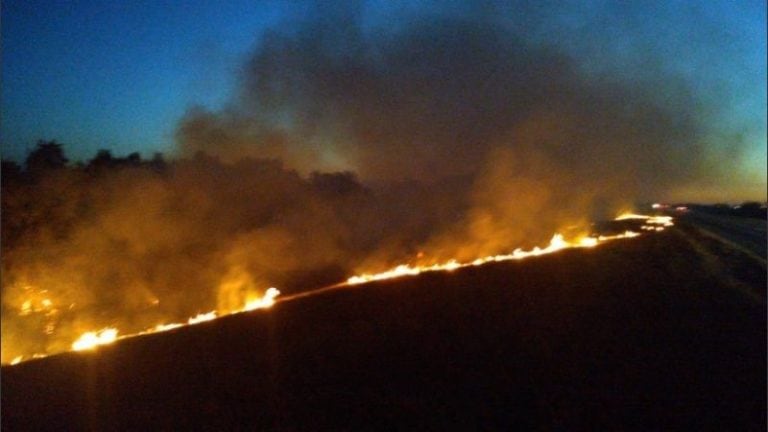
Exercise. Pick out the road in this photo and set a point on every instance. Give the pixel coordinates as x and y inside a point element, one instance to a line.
<point>746,234</point>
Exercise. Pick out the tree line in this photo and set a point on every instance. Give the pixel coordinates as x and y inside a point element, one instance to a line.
<point>49,156</point>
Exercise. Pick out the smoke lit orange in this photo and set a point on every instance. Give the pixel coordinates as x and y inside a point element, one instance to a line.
<point>93,339</point>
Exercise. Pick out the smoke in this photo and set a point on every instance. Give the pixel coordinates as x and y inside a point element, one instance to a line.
<point>348,148</point>
<point>476,95</point>
<point>133,247</point>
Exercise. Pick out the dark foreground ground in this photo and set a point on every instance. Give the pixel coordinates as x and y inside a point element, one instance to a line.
<point>663,332</point>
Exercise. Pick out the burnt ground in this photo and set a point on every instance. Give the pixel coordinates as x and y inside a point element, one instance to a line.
<point>663,332</point>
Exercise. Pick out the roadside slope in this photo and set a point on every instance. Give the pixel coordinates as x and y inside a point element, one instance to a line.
<point>632,335</point>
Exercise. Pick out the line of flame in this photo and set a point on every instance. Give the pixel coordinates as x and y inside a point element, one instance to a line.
<point>93,339</point>
<point>557,243</point>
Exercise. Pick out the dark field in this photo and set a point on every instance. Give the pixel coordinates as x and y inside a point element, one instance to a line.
<point>662,332</point>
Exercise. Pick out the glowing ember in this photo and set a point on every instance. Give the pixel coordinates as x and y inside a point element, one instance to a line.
<point>90,340</point>
<point>17,360</point>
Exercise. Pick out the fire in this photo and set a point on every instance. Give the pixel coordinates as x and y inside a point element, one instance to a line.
<point>18,359</point>
<point>653,220</point>
<point>651,223</point>
<point>265,302</point>
<point>36,304</point>
<point>90,340</point>
<point>93,339</point>
<point>202,317</point>
<point>164,327</point>
<point>557,243</point>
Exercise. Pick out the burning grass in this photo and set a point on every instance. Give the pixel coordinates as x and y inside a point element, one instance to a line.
<point>540,343</point>
<point>90,340</point>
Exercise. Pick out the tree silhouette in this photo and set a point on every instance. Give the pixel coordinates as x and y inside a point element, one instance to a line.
<point>47,156</point>
<point>103,159</point>
<point>10,171</point>
<point>134,159</point>
<point>158,162</point>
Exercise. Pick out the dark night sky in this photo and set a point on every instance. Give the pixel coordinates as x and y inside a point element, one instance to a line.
<point>120,75</point>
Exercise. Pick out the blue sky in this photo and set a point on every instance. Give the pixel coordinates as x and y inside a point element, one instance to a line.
<point>119,75</point>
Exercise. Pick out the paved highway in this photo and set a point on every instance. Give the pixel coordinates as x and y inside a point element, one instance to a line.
<point>746,234</point>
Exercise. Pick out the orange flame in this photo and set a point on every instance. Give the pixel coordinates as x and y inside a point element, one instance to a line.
<point>203,317</point>
<point>90,340</point>
<point>93,339</point>
<point>265,302</point>
<point>557,243</point>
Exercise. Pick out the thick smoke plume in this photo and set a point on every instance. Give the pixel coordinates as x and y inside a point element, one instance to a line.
<point>346,150</point>
<point>535,142</point>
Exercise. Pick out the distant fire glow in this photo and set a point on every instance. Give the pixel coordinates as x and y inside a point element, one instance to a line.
<point>91,340</point>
